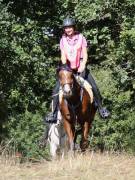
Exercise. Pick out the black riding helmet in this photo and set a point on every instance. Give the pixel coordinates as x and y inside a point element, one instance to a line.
<point>68,22</point>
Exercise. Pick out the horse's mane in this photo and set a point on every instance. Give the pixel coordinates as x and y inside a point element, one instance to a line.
<point>64,67</point>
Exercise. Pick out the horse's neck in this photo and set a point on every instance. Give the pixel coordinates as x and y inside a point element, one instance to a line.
<point>77,92</point>
<point>77,89</point>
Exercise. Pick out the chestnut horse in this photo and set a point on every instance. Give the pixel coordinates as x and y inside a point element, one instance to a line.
<point>76,108</point>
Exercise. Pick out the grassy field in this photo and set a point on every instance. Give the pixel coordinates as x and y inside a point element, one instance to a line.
<point>91,166</point>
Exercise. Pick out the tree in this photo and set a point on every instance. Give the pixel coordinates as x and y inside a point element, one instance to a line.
<point>29,54</point>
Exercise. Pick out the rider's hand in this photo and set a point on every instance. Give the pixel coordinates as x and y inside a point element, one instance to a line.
<point>81,68</point>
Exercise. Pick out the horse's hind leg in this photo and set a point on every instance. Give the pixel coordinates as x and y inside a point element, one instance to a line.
<point>85,132</point>
<point>86,128</point>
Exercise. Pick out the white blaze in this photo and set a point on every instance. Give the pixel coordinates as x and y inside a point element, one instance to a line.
<point>67,88</point>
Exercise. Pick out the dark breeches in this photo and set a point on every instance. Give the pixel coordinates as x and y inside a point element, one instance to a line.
<point>87,76</point>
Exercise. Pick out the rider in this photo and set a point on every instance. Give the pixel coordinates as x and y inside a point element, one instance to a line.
<point>73,46</point>
<point>71,40</point>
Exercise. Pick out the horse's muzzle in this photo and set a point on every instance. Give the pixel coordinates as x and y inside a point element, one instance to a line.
<point>67,91</point>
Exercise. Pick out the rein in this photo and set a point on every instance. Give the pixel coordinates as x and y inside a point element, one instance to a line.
<point>75,106</point>
<point>72,106</point>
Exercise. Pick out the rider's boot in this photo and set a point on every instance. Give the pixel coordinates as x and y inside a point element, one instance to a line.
<point>51,117</point>
<point>103,111</point>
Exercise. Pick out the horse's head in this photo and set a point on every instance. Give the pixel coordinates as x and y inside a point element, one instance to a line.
<point>66,79</point>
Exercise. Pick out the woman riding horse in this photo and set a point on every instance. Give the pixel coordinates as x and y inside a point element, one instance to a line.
<point>73,47</point>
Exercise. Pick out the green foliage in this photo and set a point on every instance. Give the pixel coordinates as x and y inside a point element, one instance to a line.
<point>113,134</point>
<point>29,53</point>
<point>26,71</point>
<point>25,133</point>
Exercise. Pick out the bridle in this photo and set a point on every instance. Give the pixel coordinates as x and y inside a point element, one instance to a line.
<point>71,106</point>
<point>66,83</point>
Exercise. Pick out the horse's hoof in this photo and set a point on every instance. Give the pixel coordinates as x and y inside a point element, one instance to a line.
<point>84,145</point>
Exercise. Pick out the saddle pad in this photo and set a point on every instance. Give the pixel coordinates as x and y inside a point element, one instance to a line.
<point>83,83</point>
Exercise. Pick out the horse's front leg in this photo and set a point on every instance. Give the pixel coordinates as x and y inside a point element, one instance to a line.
<point>70,130</point>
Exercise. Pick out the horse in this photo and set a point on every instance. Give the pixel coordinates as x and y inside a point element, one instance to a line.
<point>57,138</point>
<point>76,108</point>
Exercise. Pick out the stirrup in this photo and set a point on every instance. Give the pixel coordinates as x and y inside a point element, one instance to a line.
<point>51,118</point>
<point>104,113</point>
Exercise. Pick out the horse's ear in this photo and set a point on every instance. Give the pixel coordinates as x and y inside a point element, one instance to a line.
<point>57,70</point>
<point>59,64</point>
<point>63,67</point>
